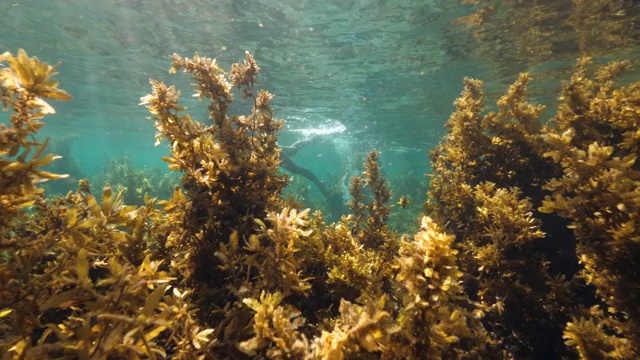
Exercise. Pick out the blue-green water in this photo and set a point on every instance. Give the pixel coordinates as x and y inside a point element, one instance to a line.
<point>353,74</point>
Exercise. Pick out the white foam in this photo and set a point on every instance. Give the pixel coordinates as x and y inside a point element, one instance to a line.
<point>341,144</point>
<point>330,127</point>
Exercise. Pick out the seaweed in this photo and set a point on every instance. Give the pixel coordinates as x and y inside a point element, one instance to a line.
<point>135,182</point>
<point>529,229</point>
<point>499,180</point>
<point>65,163</point>
<point>77,280</point>
<point>515,35</point>
<point>231,188</point>
<point>596,145</point>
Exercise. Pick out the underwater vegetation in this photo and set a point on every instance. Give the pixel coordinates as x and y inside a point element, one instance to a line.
<point>546,215</point>
<point>77,279</point>
<point>408,196</point>
<point>135,182</point>
<point>65,163</point>
<point>527,248</point>
<point>527,33</point>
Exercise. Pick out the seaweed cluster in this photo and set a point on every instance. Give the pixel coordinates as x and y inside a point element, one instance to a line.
<point>545,215</point>
<point>529,229</point>
<point>596,144</point>
<point>259,269</point>
<point>231,183</point>
<point>76,278</point>
<point>65,163</point>
<point>136,183</point>
<point>485,174</point>
<point>527,33</point>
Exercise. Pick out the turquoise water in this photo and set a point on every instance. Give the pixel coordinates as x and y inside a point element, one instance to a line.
<point>353,75</point>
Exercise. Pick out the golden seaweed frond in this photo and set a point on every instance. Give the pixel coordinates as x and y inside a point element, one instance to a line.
<point>527,223</point>
<point>23,85</point>
<point>513,36</point>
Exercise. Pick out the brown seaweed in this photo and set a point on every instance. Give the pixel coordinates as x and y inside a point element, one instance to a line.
<point>530,230</point>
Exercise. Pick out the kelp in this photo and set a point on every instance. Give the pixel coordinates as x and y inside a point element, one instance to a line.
<point>231,164</point>
<point>530,230</point>
<point>500,178</point>
<point>26,83</point>
<point>136,182</point>
<point>480,172</point>
<point>76,279</point>
<point>256,295</point>
<point>436,320</point>
<point>235,238</point>
<point>599,193</point>
<point>517,35</point>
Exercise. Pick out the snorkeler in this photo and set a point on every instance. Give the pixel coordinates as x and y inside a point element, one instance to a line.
<point>288,152</point>
<point>333,201</point>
